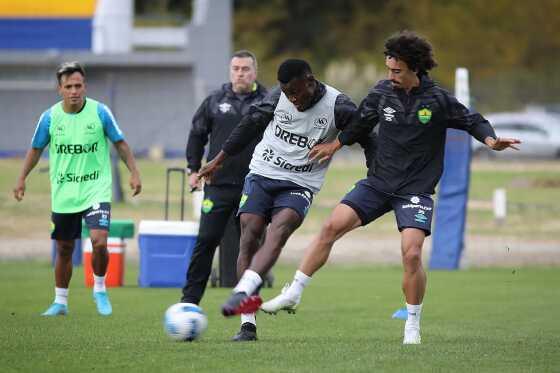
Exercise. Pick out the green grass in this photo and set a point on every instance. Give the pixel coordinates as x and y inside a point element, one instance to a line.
<point>474,320</point>
<point>532,190</point>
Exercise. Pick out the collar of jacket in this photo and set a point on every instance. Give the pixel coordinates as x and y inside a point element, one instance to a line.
<point>257,87</point>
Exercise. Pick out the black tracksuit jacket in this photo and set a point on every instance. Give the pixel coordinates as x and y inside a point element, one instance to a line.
<point>214,120</point>
<point>411,135</point>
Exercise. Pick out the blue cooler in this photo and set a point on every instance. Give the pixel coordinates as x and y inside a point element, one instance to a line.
<point>165,250</point>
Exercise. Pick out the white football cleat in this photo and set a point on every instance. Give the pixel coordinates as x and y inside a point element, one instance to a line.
<point>282,302</point>
<point>412,336</point>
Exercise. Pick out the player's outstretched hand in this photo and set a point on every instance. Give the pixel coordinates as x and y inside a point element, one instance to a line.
<point>135,184</point>
<point>324,152</point>
<point>502,143</point>
<point>19,190</point>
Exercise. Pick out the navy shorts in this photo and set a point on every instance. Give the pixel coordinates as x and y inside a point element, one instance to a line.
<point>411,210</point>
<point>265,197</point>
<point>69,226</point>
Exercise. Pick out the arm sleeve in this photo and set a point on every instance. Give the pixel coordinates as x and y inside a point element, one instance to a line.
<point>110,125</point>
<point>344,111</point>
<point>198,136</point>
<point>42,137</point>
<point>253,124</point>
<point>365,119</point>
<point>461,118</point>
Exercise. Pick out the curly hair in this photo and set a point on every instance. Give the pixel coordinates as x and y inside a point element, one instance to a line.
<point>414,50</point>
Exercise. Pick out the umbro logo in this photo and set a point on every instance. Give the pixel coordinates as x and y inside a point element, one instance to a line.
<point>224,107</point>
<point>389,113</point>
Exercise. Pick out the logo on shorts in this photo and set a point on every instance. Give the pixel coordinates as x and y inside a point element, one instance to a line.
<point>420,217</point>
<point>424,115</point>
<point>53,226</point>
<point>268,154</point>
<point>414,199</point>
<point>207,205</point>
<point>96,206</point>
<point>243,200</point>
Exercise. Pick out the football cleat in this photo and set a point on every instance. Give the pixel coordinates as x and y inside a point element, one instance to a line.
<point>248,332</point>
<point>56,309</point>
<point>103,304</point>
<point>283,302</point>
<point>239,303</point>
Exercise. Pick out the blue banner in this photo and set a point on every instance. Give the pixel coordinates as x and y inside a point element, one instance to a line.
<point>451,207</point>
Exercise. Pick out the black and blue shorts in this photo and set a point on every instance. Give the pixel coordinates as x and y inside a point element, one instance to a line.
<point>69,226</point>
<point>411,210</point>
<point>265,197</point>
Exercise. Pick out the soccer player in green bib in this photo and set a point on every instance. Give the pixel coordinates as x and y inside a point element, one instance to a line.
<point>76,130</point>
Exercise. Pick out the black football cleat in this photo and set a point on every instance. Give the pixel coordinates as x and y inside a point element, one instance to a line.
<point>248,332</point>
<point>239,303</point>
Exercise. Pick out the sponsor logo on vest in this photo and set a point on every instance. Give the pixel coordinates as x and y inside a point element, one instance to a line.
<point>283,116</point>
<point>76,148</point>
<point>283,163</point>
<point>389,113</point>
<point>320,123</point>
<point>268,154</point>
<point>70,177</point>
<point>295,139</point>
<point>90,128</point>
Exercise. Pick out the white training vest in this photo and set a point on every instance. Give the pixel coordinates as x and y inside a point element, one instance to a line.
<point>283,151</point>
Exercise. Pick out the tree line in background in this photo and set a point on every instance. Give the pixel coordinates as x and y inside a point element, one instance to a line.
<point>511,47</point>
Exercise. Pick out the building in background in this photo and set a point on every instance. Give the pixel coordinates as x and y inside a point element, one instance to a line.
<point>153,78</point>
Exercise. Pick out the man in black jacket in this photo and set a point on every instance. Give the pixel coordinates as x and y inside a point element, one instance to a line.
<point>413,114</point>
<point>214,120</point>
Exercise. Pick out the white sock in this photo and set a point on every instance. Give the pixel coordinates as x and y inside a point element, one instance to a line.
<point>301,280</point>
<point>414,313</point>
<point>248,317</point>
<point>98,283</point>
<point>61,296</point>
<point>250,281</point>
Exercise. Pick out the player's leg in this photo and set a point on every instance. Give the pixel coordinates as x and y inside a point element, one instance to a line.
<point>361,205</point>
<point>254,214</point>
<point>66,228</point>
<point>252,229</point>
<point>216,211</point>
<point>414,217</point>
<point>414,281</point>
<point>98,219</point>
<point>343,219</point>
<point>290,203</point>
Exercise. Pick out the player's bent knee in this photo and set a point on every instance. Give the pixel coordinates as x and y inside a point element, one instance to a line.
<point>413,256</point>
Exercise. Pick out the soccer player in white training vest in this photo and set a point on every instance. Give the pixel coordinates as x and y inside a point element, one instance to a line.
<point>282,181</point>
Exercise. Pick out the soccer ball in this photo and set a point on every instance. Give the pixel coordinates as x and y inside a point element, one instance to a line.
<point>184,322</point>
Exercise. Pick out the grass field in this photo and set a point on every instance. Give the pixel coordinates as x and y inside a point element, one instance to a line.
<point>533,192</point>
<point>474,321</point>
